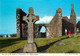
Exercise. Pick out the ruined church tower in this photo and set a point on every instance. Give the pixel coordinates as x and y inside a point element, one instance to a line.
<point>73,15</point>
<point>73,19</point>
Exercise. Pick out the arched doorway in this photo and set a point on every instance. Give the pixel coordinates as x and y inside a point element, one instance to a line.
<point>43,32</point>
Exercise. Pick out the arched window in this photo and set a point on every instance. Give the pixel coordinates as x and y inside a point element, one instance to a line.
<point>43,29</point>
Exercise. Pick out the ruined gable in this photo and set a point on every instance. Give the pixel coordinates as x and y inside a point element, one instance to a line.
<point>56,24</point>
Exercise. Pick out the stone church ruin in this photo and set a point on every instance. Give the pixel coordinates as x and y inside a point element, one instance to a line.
<point>55,28</point>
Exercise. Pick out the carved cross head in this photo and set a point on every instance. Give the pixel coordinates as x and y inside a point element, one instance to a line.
<point>30,10</point>
<point>30,17</point>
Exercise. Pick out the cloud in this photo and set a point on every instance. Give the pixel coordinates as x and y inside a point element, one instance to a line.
<point>78,17</point>
<point>45,19</point>
<point>68,17</point>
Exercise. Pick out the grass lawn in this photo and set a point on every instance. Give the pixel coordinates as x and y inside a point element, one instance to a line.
<point>8,45</point>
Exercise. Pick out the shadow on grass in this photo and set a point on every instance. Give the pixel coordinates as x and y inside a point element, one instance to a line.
<point>8,42</point>
<point>72,51</point>
<point>44,48</point>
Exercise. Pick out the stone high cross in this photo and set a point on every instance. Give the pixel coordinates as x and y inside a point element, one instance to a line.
<point>30,19</point>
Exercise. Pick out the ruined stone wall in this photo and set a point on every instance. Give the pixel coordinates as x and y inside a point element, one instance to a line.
<point>56,24</point>
<point>47,30</point>
<point>24,29</point>
<point>19,16</point>
<point>69,24</point>
<point>55,28</point>
<point>73,20</point>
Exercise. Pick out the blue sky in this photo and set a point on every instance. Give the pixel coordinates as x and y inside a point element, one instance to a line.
<point>43,8</point>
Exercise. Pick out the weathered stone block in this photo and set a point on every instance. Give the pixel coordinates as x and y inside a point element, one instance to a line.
<point>30,47</point>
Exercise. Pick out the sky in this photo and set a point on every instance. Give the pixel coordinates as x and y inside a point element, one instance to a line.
<point>46,9</point>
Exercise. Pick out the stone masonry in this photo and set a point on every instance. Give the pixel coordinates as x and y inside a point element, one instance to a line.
<point>21,25</point>
<point>56,24</point>
<point>55,28</point>
<point>69,24</point>
<point>78,26</point>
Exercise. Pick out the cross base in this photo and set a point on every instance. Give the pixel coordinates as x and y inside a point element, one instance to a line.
<point>30,47</point>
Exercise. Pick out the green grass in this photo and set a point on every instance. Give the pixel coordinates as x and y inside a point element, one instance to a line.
<point>9,45</point>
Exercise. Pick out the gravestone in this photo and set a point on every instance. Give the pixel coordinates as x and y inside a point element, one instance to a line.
<point>5,36</point>
<point>30,19</point>
<point>71,42</point>
<point>77,30</point>
<point>49,41</point>
<point>9,36</point>
<point>60,43</point>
